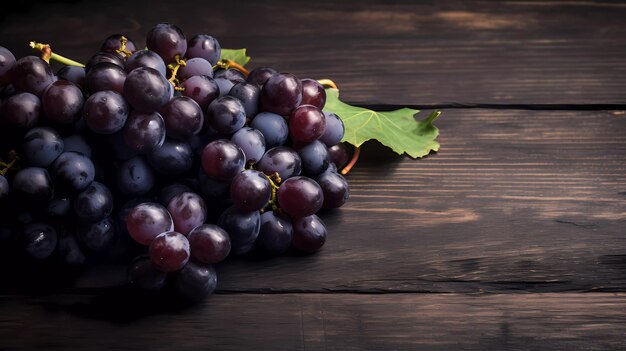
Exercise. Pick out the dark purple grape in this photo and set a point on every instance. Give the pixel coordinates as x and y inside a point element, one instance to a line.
<point>173,158</point>
<point>281,94</point>
<point>313,93</point>
<point>300,197</point>
<point>94,203</point>
<point>224,85</point>
<point>61,207</point>
<point>188,211</point>
<point>248,95</point>
<point>70,251</point>
<point>114,43</point>
<point>62,102</point>
<point>213,189</point>
<point>260,75</point>
<point>201,89</point>
<point>196,281</point>
<point>222,159</point>
<point>233,75</point>
<point>251,142</point>
<point>72,74</point>
<point>21,110</point>
<point>315,158</point>
<point>40,240</point>
<point>73,171</point>
<point>250,190</point>
<point>147,220</point>
<point>105,112</point>
<point>339,155</point>
<point>145,58</point>
<point>34,183</point>
<point>169,251</point>
<point>333,133</point>
<point>105,76</point>
<point>242,227</point>
<point>144,132</point>
<point>4,187</point>
<point>168,41</point>
<point>335,188</point>
<point>276,233</point>
<point>309,234</point>
<point>7,61</point>
<point>183,117</point>
<point>282,160</point>
<point>103,57</point>
<point>195,67</point>
<point>41,146</point>
<point>306,124</point>
<point>167,193</point>
<point>32,74</point>
<point>135,177</point>
<point>204,46</point>
<point>273,127</point>
<point>144,275</point>
<point>226,115</point>
<point>147,90</point>
<point>209,243</point>
<point>78,144</point>
<point>97,236</point>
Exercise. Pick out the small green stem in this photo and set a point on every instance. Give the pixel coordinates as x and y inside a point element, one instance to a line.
<point>49,55</point>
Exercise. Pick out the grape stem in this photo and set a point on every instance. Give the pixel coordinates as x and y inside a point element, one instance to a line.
<point>123,49</point>
<point>174,72</point>
<point>47,55</point>
<point>226,64</point>
<point>7,166</point>
<point>274,182</point>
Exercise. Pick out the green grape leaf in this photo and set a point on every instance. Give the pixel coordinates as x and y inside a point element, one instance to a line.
<point>237,55</point>
<point>398,130</point>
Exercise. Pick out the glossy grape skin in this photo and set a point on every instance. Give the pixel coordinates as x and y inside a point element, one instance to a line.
<point>183,117</point>
<point>188,211</point>
<point>97,236</point>
<point>213,189</point>
<point>4,187</point>
<point>222,159</point>
<point>94,203</point>
<point>273,127</point>
<point>41,146</point>
<point>313,93</point>
<point>21,110</point>
<point>248,95</point>
<point>105,112</point>
<point>226,115</point>
<point>105,76</point>
<point>224,85</point>
<point>34,183</point>
<point>7,61</point>
<point>114,42</point>
<point>209,243</point>
<point>275,234</point>
<point>40,240</point>
<point>196,281</point>
<point>144,132</point>
<point>72,74</point>
<point>145,58</point>
<point>250,190</point>
<point>242,227</point>
<point>31,74</point>
<point>195,67</point>
<point>147,90</point>
<point>167,193</point>
<point>135,177</point>
<point>61,207</point>
<point>339,154</point>
<point>282,160</point>
<point>62,102</point>
<point>169,251</point>
<point>70,251</point>
<point>232,74</point>
<point>144,275</point>
<point>300,197</point>
<point>309,234</point>
<point>147,220</point>
<point>103,57</point>
<point>334,131</point>
<point>260,75</point>
<point>335,188</point>
<point>315,158</point>
<point>281,94</point>
<point>306,124</point>
<point>173,158</point>
<point>168,41</point>
<point>73,170</point>
<point>204,46</point>
<point>202,89</point>
<point>251,142</point>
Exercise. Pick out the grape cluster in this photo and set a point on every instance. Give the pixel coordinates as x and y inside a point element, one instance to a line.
<point>168,155</point>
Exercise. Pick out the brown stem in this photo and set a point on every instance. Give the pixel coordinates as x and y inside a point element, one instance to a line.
<point>355,157</point>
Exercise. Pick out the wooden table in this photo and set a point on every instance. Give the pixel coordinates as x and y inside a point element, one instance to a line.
<point>512,237</point>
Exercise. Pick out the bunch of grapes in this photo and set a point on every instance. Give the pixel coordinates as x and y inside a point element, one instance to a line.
<point>179,157</point>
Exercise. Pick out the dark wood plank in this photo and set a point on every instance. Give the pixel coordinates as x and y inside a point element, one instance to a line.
<point>403,52</point>
<point>321,322</point>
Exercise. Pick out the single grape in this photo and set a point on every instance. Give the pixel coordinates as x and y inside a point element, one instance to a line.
<point>41,146</point>
<point>275,234</point>
<point>315,158</point>
<point>282,160</point>
<point>222,159</point>
<point>242,227</point>
<point>76,143</point>
<point>313,93</point>
<point>135,177</point>
<point>72,74</point>
<point>281,94</point>
<point>114,42</point>
<point>7,61</point>
<point>73,170</point>
<point>94,203</point>
<point>40,240</point>
<point>145,58</point>
<point>169,251</point>
<point>62,102</point>
<point>209,243</point>
<point>335,188</point>
<point>168,41</point>
<point>300,197</point>
<point>224,85</point>
<point>202,89</point>
<point>61,207</point>
<point>260,75</point>
<point>97,236</point>
<point>226,115</point>
<point>147,90</point>
<point>309,233</point>
<point>122,214</point>
<point>70,251</point>
<point>173,158</point>
<point>233,75</point>
<point>103,57</point>
<point>105,112</point>
<point>273,127</point>
<point>251,142</point>
<point>32,74</point>
<point>250,190</point>
<point>21,110</point>
<point>33,183</point>
<point>183,117</point>
<point>144,275</point>
<point>4,187</point>
<point>195,67</point>
<point>144,132</point>
<point>196,281</point>
<point>306,124</point>
<point>167,193</point>
<point>147,220</point>
<point>204,46</point>
<point>339,154</point>
<point>248,95</point>
<point>333,133</point>
<point>105,76</point>
<point>188,211</point>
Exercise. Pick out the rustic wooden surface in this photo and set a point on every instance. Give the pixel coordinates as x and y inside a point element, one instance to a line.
<point>512,237</point>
